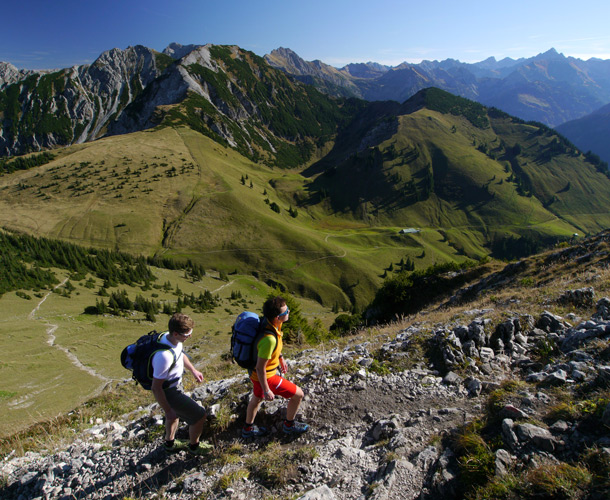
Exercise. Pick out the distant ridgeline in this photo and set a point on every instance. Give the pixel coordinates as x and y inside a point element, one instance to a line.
<point>561,143</point>
<point>26,261</point>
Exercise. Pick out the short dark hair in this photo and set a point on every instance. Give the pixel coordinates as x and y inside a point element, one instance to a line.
<point>273,307</point>
<point>180,323</point>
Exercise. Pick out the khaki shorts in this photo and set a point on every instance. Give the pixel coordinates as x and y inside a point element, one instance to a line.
<point>188,410</point>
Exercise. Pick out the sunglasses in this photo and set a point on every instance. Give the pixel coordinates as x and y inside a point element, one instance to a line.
<point>285,313</point>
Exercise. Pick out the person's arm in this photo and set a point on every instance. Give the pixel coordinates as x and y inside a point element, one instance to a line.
<point>159,393</point>
<point>189,366</point>
<point>283,364</point>
<point>261,372</point>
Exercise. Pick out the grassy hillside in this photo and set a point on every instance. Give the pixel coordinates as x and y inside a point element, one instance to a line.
<point>445,162</point>
<point>174,192</point>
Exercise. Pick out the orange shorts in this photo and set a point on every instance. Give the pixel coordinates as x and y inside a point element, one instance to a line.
<point>278,385</point>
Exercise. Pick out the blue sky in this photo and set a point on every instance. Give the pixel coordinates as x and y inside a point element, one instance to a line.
<point>44,34</point>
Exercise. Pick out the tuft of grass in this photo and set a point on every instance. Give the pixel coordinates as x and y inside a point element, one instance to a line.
<point>275,467</point>
<point>475,457</point>
<point>565,410</point>
<point>562,481</point>
<point>557,482</point>
<point>598,463</point>
<point>589,410</point>
<point>380,367</point>
<point>347,368</point>
<point>227,480</point>
<point>499,488</point>
<point>231,455</point>
<point>544,350</point>
<point>223,418</point>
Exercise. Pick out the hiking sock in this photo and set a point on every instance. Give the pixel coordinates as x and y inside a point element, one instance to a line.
<point>248,427</point>
<point>288,423</point>
<point>193,447</point>
<point>169,443</point>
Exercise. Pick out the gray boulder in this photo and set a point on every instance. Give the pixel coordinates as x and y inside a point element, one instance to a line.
<point>473,386</point>
<point>510,411</point>
<point>503,462</point>
<point>319,493</point>
<point>539,437</point>
<point>508,434</point>
<point>558,377</point>
<point>603,309</point>
<point>551,323</point>
<point>582,297</point>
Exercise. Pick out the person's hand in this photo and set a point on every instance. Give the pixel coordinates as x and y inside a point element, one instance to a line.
<point>283,365</point>
<point>268,396</point>
<point>198,375</point>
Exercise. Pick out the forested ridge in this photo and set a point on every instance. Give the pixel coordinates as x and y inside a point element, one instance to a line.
<point>27,262</point>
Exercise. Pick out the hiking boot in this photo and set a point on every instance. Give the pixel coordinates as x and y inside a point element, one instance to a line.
<point>202,449</point>
<point>255,431</point>
<point>295,428</point>
<point>179,445</point>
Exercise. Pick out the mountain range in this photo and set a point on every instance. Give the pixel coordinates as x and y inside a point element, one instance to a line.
<point>211,153</point>
<point>562,92</point>
<point>549,88</point>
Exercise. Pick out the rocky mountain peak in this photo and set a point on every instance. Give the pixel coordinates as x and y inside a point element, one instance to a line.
<point>9,74</point>
<point>178,51</point>
<point>288,60</point>
<point>366,70</point>
<point>550,54</point>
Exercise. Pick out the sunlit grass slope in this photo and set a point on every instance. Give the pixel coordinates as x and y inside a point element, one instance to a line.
<point>175,192</point>
<point>477,176</point>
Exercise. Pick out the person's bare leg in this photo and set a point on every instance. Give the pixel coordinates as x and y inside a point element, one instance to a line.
<point>253,406</point>
<point>293,404</point>
<point>171,426</point>
<point>195,431</point>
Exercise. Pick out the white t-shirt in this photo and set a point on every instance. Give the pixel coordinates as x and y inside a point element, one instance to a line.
<point>162,362</point>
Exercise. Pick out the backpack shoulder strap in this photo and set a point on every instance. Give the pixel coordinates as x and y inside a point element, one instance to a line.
<point>264,331</point>
<point>161,347</point>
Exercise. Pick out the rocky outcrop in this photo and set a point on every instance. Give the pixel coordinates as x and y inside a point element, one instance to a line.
<point>9,74</point>
<point>178,51</point>
<point>73,105</point>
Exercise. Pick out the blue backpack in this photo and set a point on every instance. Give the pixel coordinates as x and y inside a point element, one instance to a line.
<point>246,332</point>
<point>138,358</point>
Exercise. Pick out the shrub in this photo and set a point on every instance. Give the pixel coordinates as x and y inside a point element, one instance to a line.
<point>346,323</point>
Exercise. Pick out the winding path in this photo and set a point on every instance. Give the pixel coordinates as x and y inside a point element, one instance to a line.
<point>51,341</point>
